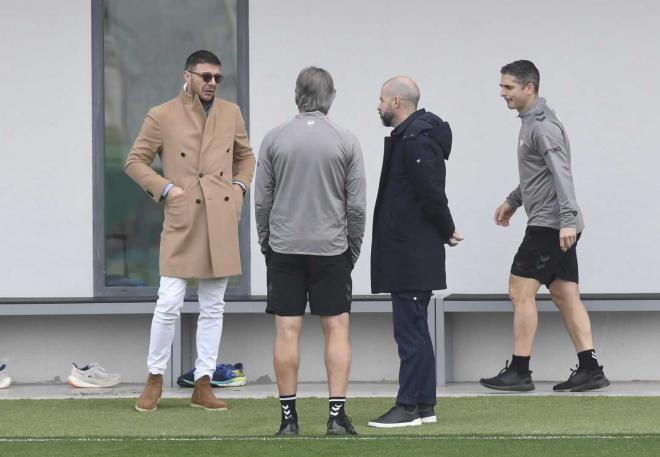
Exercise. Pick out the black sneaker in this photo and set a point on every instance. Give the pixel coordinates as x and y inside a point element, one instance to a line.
<point>288,427</point>
<point>340,425</point>
<point>427,414</point>
<point>397,416</point>
<point>509,379</point>
<point>582,380</point>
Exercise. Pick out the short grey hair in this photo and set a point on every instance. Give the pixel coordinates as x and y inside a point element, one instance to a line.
<point>525,72</point>
<point>315,90</point>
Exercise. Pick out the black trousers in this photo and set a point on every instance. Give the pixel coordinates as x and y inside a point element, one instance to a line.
<point>411,333</point>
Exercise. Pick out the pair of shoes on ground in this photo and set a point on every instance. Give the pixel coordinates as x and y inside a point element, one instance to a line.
<point>92,375</point>
<point>225,375</point>
<point>5,380</point>
<point>580,380</point>
<point>337,426</point>
<point>405,416</point>
<point>202,396</point>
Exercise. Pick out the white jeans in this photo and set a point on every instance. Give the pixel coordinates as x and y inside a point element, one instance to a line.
<point>211,293</point>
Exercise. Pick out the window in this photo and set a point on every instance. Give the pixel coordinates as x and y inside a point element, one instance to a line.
<point>139,53</point>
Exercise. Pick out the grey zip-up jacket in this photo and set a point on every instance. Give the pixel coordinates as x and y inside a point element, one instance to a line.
<point>544,163</point>
<point>310,189</point>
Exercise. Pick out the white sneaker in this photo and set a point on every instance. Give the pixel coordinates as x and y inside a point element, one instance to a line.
<point>5,380</point>
<point>93,375</point>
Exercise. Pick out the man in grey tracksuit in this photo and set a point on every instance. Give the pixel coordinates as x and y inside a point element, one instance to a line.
<point>547,254</point>
<point>310,205</point>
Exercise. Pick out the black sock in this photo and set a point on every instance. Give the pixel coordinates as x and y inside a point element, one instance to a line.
<point>336,406</point>
<point>288,406</point>
<point>587,359</point>
<point>520,364</point>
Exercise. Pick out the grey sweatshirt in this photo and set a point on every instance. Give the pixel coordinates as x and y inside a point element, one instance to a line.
<point>544,163</point>
<point>310,189</point>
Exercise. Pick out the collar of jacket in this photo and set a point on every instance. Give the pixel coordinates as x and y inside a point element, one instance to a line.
<point>310,114</point>
<point>538,106</point>
<point>193,101</point>
<point>399,129</point>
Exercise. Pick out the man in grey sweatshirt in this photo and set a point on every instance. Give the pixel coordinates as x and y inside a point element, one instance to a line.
<point>547,254</point>
<point>310,205</point>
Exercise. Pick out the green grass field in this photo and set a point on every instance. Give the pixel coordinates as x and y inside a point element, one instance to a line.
<point>484,426</point>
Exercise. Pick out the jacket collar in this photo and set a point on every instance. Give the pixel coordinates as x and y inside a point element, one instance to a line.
<point>194,102</point>
<point>399,129</point>
<point>538,106</point>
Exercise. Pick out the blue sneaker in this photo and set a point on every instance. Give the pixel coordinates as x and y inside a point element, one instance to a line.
<point>228,375</point>
<point>237,368</point>
<point>225,375</point>
<point>187,379</point>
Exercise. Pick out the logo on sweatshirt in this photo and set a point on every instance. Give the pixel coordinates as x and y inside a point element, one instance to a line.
<point>555,149</point>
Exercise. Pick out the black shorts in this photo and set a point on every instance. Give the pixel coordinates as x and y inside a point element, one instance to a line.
<point>292,278</point>
<point>540,257</point>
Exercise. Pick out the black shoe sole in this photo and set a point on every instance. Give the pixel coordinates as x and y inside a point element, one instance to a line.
<point>517,388</point>
<point>586,386</point>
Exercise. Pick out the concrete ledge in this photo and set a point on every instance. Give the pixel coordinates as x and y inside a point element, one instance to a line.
<point>105,306</point>
<point>547,306</point>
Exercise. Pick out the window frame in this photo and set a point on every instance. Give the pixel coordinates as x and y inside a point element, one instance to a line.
<point>98,154</point>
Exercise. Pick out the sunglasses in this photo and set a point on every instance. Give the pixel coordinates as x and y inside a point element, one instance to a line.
<point>206,77</point>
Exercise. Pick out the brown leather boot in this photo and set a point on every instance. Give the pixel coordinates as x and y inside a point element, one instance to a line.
<point>151,393</point>
<point>203,396</point>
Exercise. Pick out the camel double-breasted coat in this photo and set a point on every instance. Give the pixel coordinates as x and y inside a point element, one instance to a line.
<point>202,155</point>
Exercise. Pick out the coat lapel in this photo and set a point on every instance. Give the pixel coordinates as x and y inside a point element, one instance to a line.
<point>209,128</point>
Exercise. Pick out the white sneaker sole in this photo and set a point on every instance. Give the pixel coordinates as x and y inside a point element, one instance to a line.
<point>413,423</point>
<point>77,382</point>
<point>429,420</point>
<point>4,382</point>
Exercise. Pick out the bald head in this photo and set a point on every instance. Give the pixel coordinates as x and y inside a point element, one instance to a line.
<point>398,100</point>
<point>403,87</point>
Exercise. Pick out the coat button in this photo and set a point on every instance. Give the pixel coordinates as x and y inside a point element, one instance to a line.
<point>198,201</point>
<point>201,174</point>
<point>221,174</point>
<point>228,149</point>
<point>226,199</point>
<point>183,154</point>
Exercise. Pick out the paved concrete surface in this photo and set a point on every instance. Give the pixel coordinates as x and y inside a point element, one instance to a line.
<point>254,390</point>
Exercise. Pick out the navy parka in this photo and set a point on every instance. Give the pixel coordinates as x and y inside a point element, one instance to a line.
<point>412,221</point>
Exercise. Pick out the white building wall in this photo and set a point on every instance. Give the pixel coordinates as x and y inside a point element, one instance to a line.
<point>46,190</point>
<point>597,71</point>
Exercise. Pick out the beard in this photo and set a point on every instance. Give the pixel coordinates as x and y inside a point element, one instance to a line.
<point>386,118</point>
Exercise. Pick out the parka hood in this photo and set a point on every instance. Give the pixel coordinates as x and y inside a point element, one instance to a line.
<point>423,122</point>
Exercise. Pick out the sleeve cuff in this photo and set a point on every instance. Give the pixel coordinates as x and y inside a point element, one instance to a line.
<point>167,189</point>
<point>241,185</point>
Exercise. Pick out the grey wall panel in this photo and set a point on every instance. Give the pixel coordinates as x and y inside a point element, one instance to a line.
<point>624,342</point>
<point>455,53</point>
<point>42,348</point>
<point>46,142</point>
